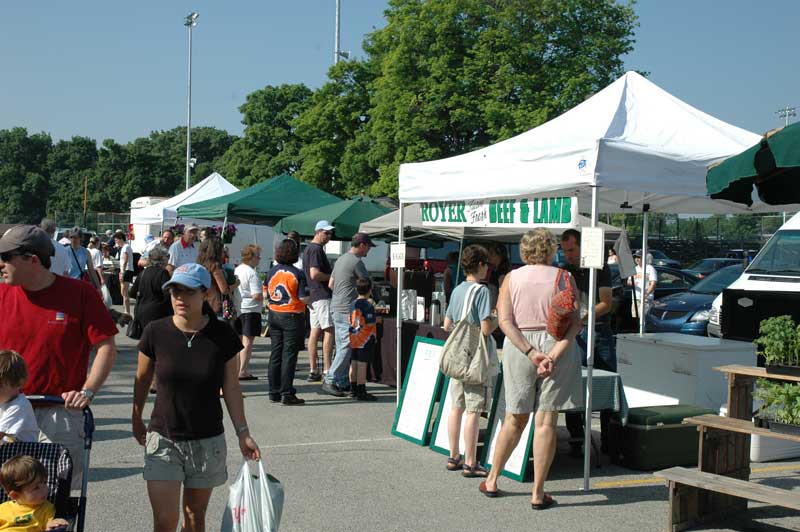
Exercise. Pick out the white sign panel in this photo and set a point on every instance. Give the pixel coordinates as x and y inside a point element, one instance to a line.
<point>413,414</point>
<point>518,461</point>
<point>397,251</point>
<point>555,212</point>
<point>593,248</point>
<point>441,440</point>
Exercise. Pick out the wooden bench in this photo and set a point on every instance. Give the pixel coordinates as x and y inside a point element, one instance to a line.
<point>719,487</point>
<point>688,487</point>
<point>741,426</point>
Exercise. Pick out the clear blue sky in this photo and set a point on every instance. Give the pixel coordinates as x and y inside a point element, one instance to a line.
<point>112,70</point>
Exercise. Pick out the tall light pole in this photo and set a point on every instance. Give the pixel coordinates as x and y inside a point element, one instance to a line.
<point>190,22</point>
<point>785,113</point>
<point>337,52</point>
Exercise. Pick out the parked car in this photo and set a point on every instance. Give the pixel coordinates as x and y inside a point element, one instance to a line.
<point>703,268</point>
<point>670,281</point>
<point>688,312</point>
<point>660,259</point>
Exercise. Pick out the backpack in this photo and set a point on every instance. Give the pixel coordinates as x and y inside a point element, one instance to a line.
<point>563,306</point>
<point>465,355</point>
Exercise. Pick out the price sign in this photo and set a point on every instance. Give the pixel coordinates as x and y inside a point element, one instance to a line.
<point>397,251</point>
<point>593,249</point>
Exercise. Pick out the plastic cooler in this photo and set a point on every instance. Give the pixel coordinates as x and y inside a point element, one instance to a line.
<point>655,437</point>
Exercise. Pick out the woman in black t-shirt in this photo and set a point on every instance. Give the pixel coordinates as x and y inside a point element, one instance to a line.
<point>193,355</point>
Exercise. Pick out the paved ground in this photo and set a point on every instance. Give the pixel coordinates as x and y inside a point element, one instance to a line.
<point>343,471</point>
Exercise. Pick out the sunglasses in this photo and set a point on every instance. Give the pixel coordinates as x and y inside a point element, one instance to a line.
<point>7,256</point>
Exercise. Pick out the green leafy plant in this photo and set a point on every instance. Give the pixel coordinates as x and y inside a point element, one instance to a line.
<point>781,400</point>
<point>779,341</point>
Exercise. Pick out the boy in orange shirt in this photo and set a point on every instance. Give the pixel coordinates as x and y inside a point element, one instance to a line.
<point>363,334</point>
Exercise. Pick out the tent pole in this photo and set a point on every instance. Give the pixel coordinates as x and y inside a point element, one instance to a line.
<point>399,318</point>
<point>587,429</point>
<point>644,274</point>
<point>458,264</point>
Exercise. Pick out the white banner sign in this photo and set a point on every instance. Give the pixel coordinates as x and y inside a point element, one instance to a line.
<point>556,212</point>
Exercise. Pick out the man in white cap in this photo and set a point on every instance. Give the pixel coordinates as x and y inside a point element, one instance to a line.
<point>184,250</point>
<point>54,322</point>
<point>318,270</point>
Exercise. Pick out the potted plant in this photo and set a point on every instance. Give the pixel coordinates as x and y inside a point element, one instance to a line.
<point>780,345</point>
<point>781,405</point>
<point>228,233</point>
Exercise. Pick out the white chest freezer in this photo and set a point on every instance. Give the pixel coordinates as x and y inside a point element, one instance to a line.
<point>672,368</point>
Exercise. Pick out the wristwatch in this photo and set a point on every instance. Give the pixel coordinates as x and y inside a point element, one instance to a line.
<point>241,430</point>
<point>87,393</point>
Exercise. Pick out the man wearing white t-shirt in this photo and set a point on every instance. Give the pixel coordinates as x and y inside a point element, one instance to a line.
<point>648,280</point>
<point>184,250</point>
<point>59,262</point>
<point>126,268</point>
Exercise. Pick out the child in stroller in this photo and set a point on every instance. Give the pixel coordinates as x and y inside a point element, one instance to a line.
<point>17,420</point>
<point>24,479</point>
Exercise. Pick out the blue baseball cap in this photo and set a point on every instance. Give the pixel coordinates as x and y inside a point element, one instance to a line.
<point>323,225</point>
<point>189,275</point>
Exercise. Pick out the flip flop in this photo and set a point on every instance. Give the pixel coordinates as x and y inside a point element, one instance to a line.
<point>547,502</point>
<point>248,378</point>
<point>455,464</point>
<point>488,493</point>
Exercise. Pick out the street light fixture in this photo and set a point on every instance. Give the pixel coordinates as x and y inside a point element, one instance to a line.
<point>190,22</point>
<point>786,113</point>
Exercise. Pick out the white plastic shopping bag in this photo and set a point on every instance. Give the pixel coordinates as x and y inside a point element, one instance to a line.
<point>106,296</point>
<point>255,501</point>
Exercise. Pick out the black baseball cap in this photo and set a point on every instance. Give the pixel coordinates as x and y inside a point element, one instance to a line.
<point>28,237</point>
<point>362,238</point>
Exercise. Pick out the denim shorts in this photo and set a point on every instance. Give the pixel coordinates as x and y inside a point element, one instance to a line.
<point>199,464</point>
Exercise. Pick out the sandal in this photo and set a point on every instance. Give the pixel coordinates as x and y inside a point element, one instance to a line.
<point>547,502</point>
<point>491,494</point>
<point>455,464</point>
<point>474,471</point>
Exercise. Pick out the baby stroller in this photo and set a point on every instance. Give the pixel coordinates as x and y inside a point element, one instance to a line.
<point>58,463</point>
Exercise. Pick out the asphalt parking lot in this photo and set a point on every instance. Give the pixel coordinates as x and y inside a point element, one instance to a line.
<point>342,471</point>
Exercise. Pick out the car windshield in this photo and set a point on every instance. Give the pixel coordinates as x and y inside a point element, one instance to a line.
<point>781,255</point>
<point>718,281</point>
<point>705,265</point>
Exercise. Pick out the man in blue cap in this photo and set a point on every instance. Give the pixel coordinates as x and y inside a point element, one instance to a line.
<point>318,270</point>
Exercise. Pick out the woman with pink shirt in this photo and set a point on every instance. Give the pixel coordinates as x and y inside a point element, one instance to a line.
<point>541,374</point>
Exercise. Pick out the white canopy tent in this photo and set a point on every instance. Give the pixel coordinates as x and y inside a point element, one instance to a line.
<point>154,218</point>
<point>632,147</point>
<point>166,211</point>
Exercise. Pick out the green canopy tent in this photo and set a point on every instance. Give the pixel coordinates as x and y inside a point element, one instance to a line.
<point>346,217</point>
<point>265,203</point>
<point>773,165</point>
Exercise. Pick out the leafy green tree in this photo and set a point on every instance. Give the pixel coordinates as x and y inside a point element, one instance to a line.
<point>70,163</point>
<point>269,146</point>
<point>23,175</point>
<point>332,157</point>
<point>456,75</point>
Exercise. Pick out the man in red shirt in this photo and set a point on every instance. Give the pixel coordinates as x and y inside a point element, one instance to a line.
<point>54,322</point>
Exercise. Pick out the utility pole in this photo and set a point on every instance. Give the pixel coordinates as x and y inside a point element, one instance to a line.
<point>785,113</point>
<point>190,22</point>
<point>337,50</point>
